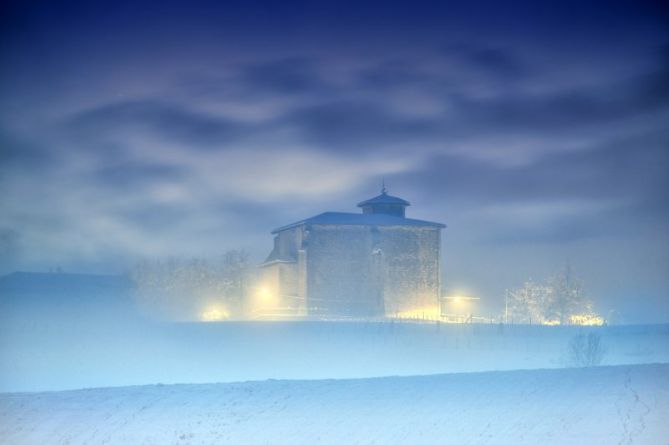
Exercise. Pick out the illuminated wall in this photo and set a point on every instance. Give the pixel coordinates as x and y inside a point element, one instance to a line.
<point>410,269</point>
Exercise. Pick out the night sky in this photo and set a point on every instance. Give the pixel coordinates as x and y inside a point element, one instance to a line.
<point>538,132</point>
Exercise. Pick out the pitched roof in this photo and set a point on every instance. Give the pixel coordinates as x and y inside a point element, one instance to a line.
<point>384,198</point>
<point>276,257</point>
<point>360,219</point>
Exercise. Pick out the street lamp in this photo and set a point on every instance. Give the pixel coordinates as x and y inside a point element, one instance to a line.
<point>460,301</point>
<point>457,299</point>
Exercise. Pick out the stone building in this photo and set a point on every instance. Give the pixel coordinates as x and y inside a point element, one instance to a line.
<point>370,264</point>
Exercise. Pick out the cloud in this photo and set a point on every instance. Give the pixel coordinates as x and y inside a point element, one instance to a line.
<point>393,74</point>
<point>193,138</point>
<point>624,168</point>
<point>17,152</point>
<point>356,125</point>
<point>169,121</point>
<point>156,167</point>
<point>495,63</point>
<point>128,176</point>
<point>286,76</point>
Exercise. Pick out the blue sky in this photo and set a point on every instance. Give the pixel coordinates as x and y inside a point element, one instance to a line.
<point>537,133</point>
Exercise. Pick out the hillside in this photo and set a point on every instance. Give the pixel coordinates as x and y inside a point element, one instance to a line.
<point>607,405</point>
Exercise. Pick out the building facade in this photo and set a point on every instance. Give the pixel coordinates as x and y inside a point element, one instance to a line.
<point>371,264</point>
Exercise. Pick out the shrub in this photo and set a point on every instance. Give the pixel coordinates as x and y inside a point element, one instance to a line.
<point>586,350</point>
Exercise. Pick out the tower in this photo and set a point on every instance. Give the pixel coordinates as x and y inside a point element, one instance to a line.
<point>385,204</point>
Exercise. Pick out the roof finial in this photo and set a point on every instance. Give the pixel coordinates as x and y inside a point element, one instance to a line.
<point>383,186</point>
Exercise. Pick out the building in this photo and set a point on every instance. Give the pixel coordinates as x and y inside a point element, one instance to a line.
<point>370,264</point>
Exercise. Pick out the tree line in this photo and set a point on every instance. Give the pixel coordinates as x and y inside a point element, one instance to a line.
<point>188,289</point>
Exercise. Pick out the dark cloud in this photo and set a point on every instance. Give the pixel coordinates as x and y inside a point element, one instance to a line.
<point>572,109</point>
<point>165,120</point>
<point>497,63</point>
<point>393,74</point>
<point>356,125</point>
<point>652,90</point>
<point>129,176</point>
<point>158,218</point>
<point>606,190</point>
<point>288,76</point>
<point>343,122</point>
<point>627,168</point>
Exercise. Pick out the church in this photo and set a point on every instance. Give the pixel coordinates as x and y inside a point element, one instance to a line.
<point>377,263</point>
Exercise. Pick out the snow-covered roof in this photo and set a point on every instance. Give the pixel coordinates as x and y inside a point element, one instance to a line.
<point>360,219</point>
<point>384,198</point>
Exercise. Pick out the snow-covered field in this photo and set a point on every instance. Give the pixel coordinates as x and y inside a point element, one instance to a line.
<point>605,405</point>
<point>335,381</point>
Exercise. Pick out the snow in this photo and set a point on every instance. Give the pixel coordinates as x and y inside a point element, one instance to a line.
<point>621,404</point>
<point>334,381</point>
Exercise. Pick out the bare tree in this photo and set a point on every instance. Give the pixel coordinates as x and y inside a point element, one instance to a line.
<point>235,271</point>
<point>566,297</point>
<point>185,289</point>
<point>526,304</point>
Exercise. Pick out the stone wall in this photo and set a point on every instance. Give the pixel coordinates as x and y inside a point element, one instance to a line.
<point>372,270</point>
<point>339,272</point>
<point>410,272</point>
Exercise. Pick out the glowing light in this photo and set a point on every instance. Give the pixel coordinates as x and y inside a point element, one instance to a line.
<point>214,314</point>
<point>265,294</point>
<point>586,320</point>
<point>265,301</point>
<point>579,320</point>
<point>460,298</point>
<point>424,313</point>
